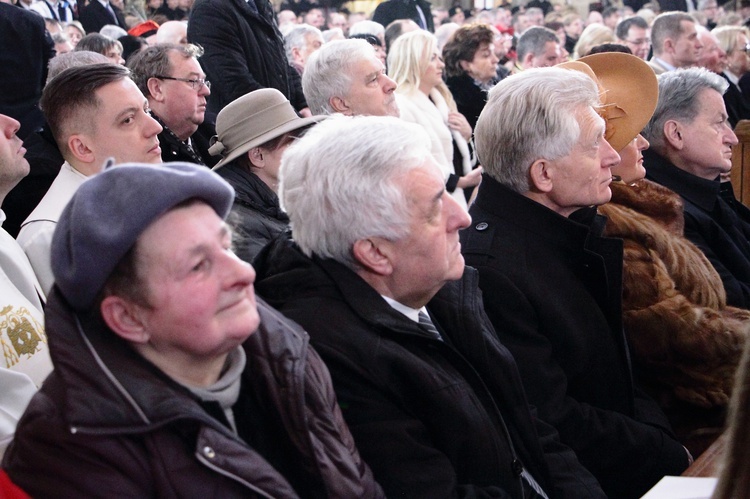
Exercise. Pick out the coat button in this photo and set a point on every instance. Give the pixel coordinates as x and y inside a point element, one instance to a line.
<point>481,226</point>
<point>209,452</point>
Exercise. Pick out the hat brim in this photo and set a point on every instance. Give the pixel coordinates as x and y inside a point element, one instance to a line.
<point>630,85</point>
<point>280,130</point>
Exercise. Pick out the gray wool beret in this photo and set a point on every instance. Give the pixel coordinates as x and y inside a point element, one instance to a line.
<point>110,210</point>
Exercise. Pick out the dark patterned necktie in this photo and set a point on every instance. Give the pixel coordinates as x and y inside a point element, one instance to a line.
<point>426,323</point>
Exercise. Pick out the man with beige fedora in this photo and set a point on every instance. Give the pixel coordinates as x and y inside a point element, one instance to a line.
<point>252,133</point>
<point>550,281</point>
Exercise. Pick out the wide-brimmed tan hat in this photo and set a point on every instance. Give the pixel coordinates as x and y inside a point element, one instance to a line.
<point>251,121</point>
<point>629,92</point>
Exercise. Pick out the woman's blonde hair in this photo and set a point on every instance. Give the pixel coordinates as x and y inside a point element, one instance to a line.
<point>593,35</point>
<point>408,59</point>
<point>728,37</point>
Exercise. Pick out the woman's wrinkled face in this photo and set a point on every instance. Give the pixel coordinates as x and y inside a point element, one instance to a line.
<point>483,67</point>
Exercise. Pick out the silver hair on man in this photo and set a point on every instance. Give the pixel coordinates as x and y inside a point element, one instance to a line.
<point>679,93</point>
<point>328,72</point>
<point>336,195</point>
<point>534,40</point>
<point>529,116</point>
<point>297,38</point>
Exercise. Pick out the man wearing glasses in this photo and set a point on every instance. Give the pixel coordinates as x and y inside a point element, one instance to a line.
<point>675,41</point>
<point>633,33</point>
<point>173,82</point>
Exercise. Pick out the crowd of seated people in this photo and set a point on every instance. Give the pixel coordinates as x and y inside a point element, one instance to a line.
<point>262,250</point>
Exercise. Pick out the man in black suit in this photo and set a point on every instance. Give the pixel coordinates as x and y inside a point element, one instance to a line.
<point>416,10</point>
<point>375,275</point>
<point>98,14</point>
<point>244,51</point>
<point>691,146</point>
<point>551,283</point>
<point>27,48</point>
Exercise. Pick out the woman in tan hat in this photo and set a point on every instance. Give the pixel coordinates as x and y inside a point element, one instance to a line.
<point>684,340</point>
<point>252,134</point>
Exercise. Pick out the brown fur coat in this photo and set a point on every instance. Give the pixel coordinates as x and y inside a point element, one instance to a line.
<point>684,340</point>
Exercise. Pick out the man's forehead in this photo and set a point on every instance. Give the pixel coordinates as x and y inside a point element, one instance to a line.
<point>687,28</point>
<point>590,121</point>
<point>177,60</point>
<point>369,66</point>
<point>711,102</point>
<point>155,235</point>
<point>118,93</point>
<point>311,38</point>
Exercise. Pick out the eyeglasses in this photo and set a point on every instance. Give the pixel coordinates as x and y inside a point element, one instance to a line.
<point>196,84</point>
<point>643,41</point>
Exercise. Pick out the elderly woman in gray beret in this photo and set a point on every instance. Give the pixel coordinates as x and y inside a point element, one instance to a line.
<point>253,132</point>
<point>171,378</point>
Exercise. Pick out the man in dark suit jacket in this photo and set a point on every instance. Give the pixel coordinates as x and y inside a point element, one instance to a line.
<point>244,51</point>
<point>377,279</point>
<point>418,11</point>
<point>98,14</point>
<point>688,156</point>
<point>177,97</point>
<point>27,49</point>
<point>552,285</point>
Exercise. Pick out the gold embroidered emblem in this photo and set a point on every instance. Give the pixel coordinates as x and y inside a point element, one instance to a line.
<point>20,334</point>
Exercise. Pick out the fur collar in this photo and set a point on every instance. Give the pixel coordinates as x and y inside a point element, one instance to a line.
<point>652,200</point>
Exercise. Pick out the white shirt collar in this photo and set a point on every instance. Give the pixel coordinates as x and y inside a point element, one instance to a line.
<point>733,78</point>
<point>664,63</point>
<point>411,313</point>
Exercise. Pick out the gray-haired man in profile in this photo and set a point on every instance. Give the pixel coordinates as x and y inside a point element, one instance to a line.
<point>345,76</point>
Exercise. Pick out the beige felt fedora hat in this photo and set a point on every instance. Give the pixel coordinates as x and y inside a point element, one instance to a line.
<point>252,120</point>
<point>629,93</point>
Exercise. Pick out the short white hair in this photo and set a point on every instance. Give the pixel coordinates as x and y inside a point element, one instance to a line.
<point>340,183</point>
<point>328,72</point>
<point>171,32</point>
<point>528,116</point>
<point>367,28</point>
<point>297,38</point>
<point>113,31</point>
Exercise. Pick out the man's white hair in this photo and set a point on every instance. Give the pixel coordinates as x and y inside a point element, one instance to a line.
<point>367,28</point>
<point>529,116</point>
<point>328,72</point>
<point>342,182</point>
<point>297,38</point>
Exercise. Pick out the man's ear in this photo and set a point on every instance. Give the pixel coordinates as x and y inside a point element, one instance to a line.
<point>673,134</point>
<point>374,255</point>
<point>155,89</point>
<point>540,176</point>
<point>464,65</point>
<point>77,143</point>
<point>340,105</point>
<point>296,57</point>
<point>125,318</point>
<point>668,46</point>
<point>527,60</point>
